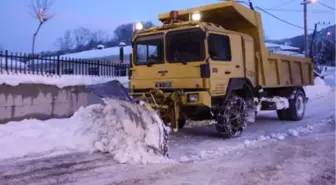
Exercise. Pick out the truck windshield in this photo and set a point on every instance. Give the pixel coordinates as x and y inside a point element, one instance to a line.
<point>186,45</point>
<point>149,50</point>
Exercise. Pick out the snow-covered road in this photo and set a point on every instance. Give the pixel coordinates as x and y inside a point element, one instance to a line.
<point>305,160</point>
<point>267,153</point>
<point>197,143</point>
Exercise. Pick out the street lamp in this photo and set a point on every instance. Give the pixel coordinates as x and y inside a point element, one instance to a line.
<point>305,3</point>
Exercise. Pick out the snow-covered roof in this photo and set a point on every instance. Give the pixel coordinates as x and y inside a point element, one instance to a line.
<point>12,63</point>
<point>290,53</point>
<point>112,53</point>
<point>98,53</point>
<point>283,47</point>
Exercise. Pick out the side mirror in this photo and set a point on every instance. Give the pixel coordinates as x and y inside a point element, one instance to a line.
<point>121,51</point>
<point>130,59</point>
<point>121,54</point>
<point>130,67</point>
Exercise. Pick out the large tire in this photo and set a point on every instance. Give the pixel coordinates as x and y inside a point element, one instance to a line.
<point>282,114</point>
<point>296,109</point>
<point>297,106</point>
<point>181,123</point>
<point>231,121</point>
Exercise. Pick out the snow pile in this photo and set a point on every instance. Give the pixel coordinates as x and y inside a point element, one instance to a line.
<point>329,77</point>
<point>33,137</point>
<point>318,89</point>
<point>59,81</point>
<point>131,133</point>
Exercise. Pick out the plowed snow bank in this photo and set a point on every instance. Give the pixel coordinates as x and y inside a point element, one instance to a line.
<point>320,88</point>
<point>130,132</point>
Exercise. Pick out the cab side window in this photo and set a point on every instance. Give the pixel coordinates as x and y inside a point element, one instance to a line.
<point>219,47</point>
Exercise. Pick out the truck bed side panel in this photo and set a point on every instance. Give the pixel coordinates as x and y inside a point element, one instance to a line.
<point>282,71</point>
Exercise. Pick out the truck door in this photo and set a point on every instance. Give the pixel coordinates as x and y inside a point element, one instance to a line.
<point>226,58</point>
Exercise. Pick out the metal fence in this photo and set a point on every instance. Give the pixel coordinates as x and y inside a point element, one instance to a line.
<point>57,65</point>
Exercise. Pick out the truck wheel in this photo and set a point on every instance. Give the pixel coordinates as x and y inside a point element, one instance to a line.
<point>181,123</point>
<point>297,107</point>
<point>283,114</point>
<point>231,121</point>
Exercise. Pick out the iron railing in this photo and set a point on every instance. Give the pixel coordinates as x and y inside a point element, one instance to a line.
<point>57,65</point>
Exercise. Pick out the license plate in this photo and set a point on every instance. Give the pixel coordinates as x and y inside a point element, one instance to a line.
<point>163,84</point>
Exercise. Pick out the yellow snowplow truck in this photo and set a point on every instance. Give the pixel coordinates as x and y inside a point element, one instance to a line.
<point>211,63</point>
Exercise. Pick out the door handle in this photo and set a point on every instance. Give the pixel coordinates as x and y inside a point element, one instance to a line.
<point>237,66</point>
<point>227,72</point>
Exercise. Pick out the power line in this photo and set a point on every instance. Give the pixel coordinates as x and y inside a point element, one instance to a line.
<point>278,18</point>
<point>284,3</point>
<point>297,10</point>
<point>326,5</point>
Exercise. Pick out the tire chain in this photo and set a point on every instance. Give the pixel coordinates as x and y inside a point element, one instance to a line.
<point>226,127</point>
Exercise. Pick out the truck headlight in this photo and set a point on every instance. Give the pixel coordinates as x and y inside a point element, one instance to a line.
<point>193,97</point>
<point>138,26</point>
<point>196,16</point>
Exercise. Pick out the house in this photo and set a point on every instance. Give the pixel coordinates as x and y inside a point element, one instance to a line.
<point>99,61</point>
<point>109,54</point>
<point>274,48</point>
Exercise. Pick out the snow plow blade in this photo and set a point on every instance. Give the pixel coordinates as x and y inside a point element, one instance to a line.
<point>112,89</point>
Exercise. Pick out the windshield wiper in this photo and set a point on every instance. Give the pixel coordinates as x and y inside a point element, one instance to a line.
<point>184,62</point>
<point>150,63</point>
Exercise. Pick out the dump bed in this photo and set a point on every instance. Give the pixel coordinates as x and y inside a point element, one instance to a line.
<point>272,70</point>
<point>283,70</point>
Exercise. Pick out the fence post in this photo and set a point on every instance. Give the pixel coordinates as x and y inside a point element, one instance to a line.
<point>6,60</point>
<point>58,66</point>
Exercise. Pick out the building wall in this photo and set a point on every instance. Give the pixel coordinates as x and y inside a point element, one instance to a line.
<point>42,101</point>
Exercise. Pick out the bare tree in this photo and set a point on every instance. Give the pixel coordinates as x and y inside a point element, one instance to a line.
<point>65,43</point>
<point>100,36</point>
<point>40,11</point>
<point>82,36</point>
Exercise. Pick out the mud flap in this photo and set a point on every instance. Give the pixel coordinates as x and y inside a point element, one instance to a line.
<point>112,89</point>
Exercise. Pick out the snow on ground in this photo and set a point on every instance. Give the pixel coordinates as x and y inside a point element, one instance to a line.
<point>32,136</point>
<point>330,76</point>
<point>129,132</point>
<point>260,140</point>
<point>89,131</point>
<point>318,89</point>
<point>59,81</point>
<point>305,160</point>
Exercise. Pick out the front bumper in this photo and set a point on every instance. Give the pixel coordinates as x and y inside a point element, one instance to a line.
<point>182,98</point>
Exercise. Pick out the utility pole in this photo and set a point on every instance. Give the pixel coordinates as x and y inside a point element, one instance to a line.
<point>305,28</point>
<point>320,39</point>
<point>305,24</point>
